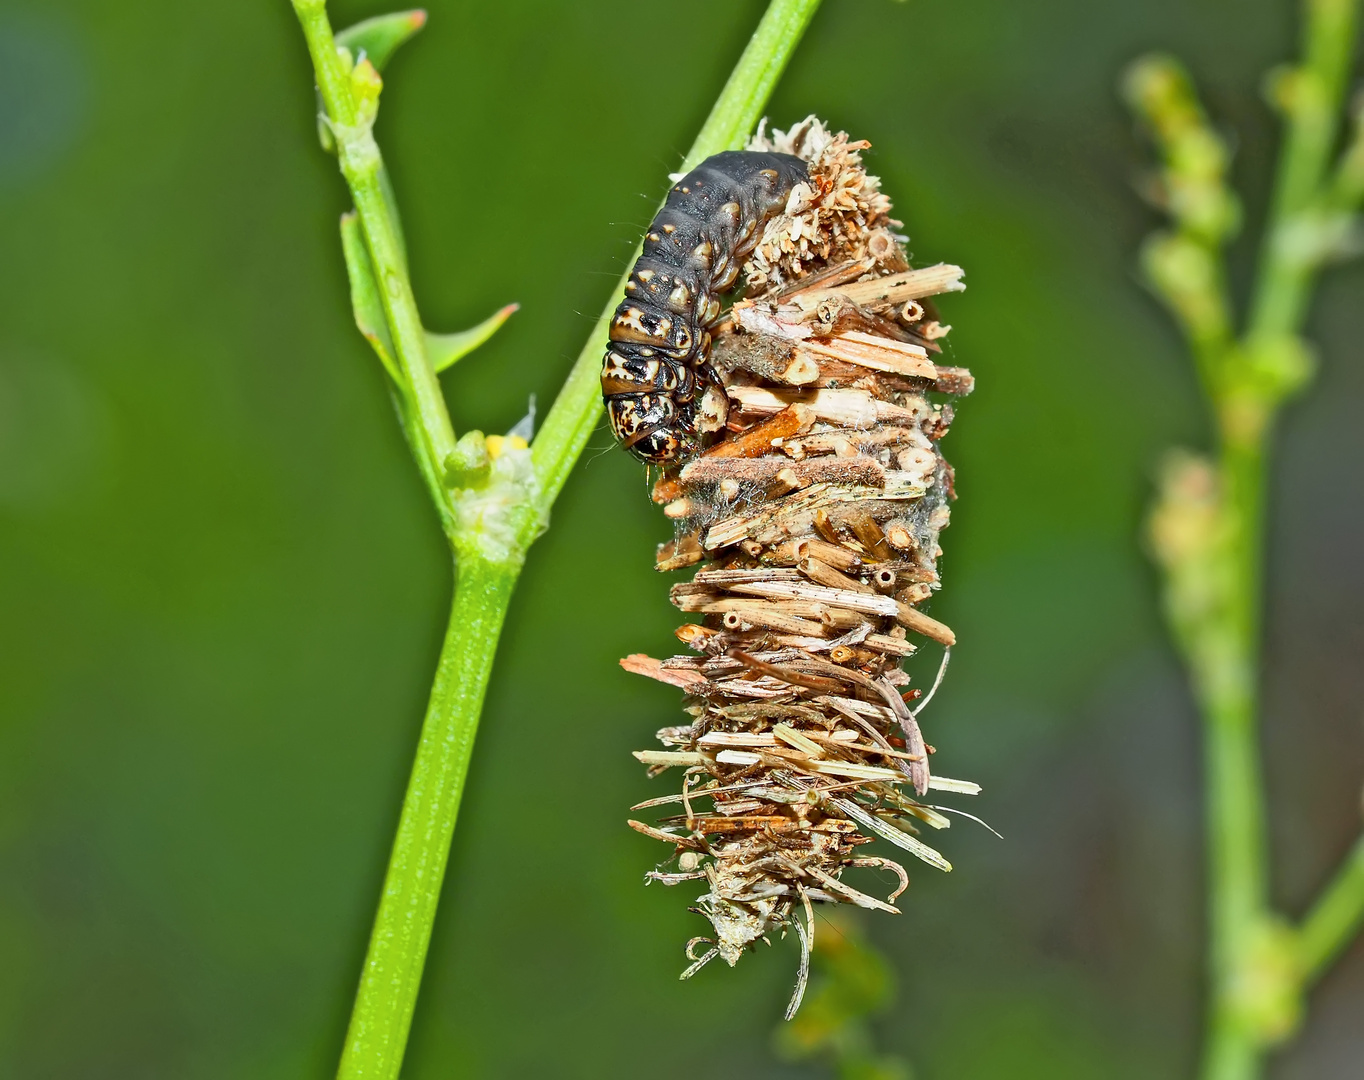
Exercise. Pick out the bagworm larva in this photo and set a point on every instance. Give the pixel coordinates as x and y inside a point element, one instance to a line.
<point>661,394</point>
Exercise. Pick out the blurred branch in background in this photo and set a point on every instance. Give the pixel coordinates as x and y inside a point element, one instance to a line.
<point>492,493</point>
<point>851,985</point>
<point>1207,527</point>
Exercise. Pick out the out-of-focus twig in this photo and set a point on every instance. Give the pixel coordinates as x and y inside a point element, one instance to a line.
<point>1207,526</point>
<point>851,984</point>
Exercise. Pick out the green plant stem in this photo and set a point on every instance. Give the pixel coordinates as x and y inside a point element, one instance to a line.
<point>736,113</point>
<point>386,999</point>
<point>1222,662</point>
<point>1223,647</point>
<point>362,165</point>
<point>1335,918</point>
<point>1228,1054</point>
<point>1313,110</point>
<point>392,973</point>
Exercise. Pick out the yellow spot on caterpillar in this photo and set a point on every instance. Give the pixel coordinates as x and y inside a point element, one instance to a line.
<point>679,299</point>
<point>629,325</point>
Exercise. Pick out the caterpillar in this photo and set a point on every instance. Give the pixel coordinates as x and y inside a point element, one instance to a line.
<point>661,394</point>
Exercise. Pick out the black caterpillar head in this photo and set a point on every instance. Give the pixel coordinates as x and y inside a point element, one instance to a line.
<point>649,427</point>
<point>659,388</point>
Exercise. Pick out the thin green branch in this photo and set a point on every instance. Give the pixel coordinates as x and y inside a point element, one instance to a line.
<point>740,105</point>
<point>1208,528</point>
<point>372,323</point>
<point>736,113</point>
<point>351,94</point>
<point>1311,97</point>
<point>1347,186</point>
<point>1335,918</point>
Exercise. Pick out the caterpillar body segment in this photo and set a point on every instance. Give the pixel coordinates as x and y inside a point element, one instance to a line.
<point>662,396</point>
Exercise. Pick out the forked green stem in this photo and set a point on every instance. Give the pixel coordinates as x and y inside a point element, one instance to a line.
<point>488,560</point>
<point>1208,528</point>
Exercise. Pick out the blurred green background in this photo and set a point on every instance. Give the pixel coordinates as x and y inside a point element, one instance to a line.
<point>221,585</point>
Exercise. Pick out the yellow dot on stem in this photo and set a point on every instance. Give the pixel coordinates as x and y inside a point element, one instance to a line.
<point>497,444</point>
